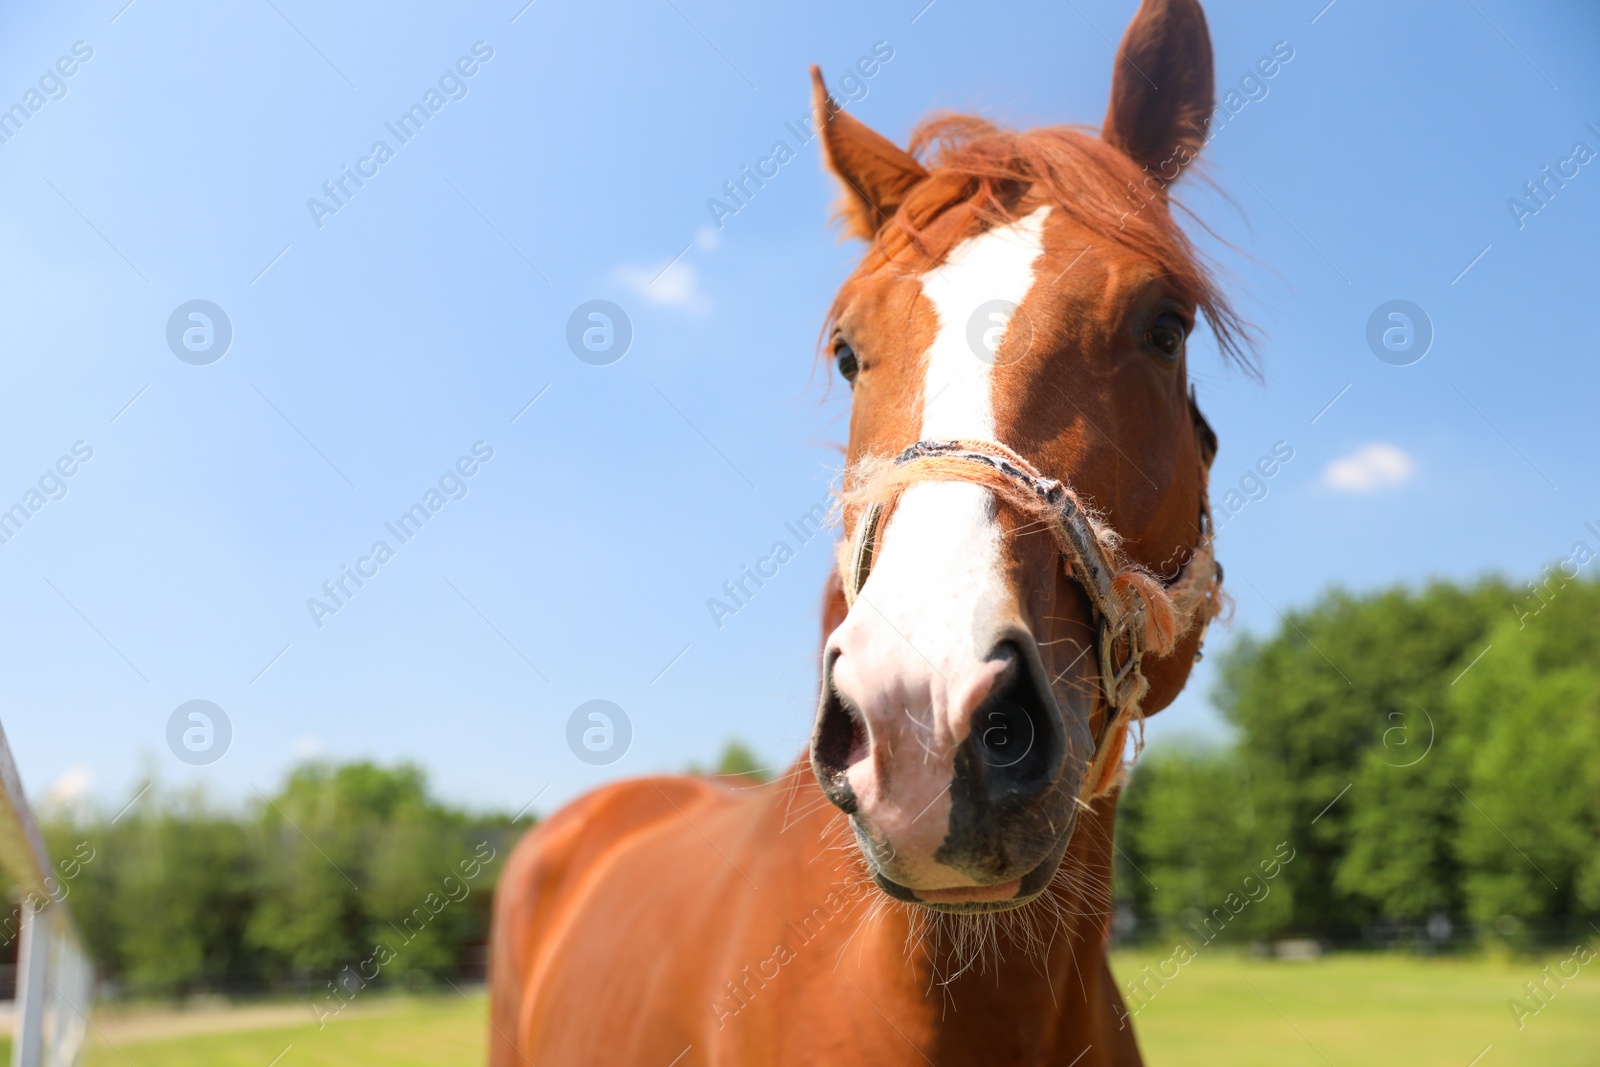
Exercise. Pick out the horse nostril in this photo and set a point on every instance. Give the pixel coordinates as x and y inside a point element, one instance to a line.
<point>1017,733</point>
<point>1007,732</point>
<point>838,740</point>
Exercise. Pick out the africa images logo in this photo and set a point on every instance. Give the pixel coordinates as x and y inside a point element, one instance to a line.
<point>199,332</point>
<point>199,732</point>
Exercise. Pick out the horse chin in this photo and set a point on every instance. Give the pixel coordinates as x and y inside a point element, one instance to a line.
<point>1029,887</point>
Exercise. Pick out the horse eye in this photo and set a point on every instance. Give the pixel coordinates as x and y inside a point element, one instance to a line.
<point>1166,335</point>
<point>849,365</point>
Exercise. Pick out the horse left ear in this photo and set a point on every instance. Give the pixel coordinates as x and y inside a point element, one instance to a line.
<point>1163,88</point>
<point>875,173</point>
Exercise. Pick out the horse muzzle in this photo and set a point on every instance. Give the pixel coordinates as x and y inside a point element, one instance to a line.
<point>960,777</point>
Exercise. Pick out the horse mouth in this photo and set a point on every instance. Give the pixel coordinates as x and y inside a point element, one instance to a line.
<point>979,899</point>
<point>972,894</point>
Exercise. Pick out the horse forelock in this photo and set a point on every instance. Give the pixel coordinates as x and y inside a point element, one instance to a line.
<point>982,175</point>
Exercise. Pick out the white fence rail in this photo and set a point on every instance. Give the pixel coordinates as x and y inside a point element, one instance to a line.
<point>55,979</point>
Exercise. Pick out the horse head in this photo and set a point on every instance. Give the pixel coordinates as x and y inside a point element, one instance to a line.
<point>1027,544</point>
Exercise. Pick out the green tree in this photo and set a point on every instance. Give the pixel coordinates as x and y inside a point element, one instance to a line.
<point>1191,831</point>
<point>1331,712</point>
<point>162,893</point>
<point>359,856</point>
<point>1530,793</point>
<point>177,895</point>
<point>737,761</point>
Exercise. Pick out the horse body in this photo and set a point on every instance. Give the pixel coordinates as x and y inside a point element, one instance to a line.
<point>1027,569</point>
<point>655,919</point>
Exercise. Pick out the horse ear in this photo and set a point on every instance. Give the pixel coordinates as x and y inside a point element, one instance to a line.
<point>1163,88</point>
<point>875,174</point>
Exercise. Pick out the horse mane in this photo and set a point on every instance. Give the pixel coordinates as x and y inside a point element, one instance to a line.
<point>999,175</point>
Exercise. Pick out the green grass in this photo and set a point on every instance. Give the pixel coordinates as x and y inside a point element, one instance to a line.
<point>1360,1009</point>
<point>1220,1009</point>
<point>441,1031</point>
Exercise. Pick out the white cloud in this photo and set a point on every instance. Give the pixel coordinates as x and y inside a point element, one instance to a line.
<point>70,790</point>
<point>1375,466</point>
<point>707,238</point>
<point>307,748</point>
<point>675,285</point>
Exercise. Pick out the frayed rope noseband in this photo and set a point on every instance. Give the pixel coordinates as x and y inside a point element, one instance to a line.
<point>1136,611</point>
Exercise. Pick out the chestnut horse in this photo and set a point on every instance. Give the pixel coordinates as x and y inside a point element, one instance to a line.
<point>1026,570</point>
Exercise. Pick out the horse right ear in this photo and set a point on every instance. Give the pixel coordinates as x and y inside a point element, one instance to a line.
<point>876,175</point>
<point>1162,87</point>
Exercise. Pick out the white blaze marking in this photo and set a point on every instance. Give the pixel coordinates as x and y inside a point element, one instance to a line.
<point>995,265</point>
<point>939,575</point>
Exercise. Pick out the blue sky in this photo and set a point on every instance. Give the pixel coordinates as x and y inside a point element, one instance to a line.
<point>371,353</point>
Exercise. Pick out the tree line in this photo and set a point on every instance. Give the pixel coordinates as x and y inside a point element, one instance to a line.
<point>350,872</point>
<point>351,875</point>
<point>1430,757</point>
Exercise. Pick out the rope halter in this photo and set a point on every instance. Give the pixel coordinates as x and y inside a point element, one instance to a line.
<point>1136,612</point>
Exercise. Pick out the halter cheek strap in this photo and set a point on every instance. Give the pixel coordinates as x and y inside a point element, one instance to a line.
<point>1135,612</point>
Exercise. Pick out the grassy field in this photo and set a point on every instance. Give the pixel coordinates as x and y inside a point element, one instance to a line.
<point>1363,1010</point>
<point>1218,1010</point>
<point>437,1031</point>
